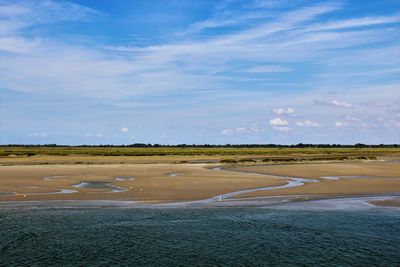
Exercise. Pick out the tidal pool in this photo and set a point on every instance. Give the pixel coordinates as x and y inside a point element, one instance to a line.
<point>124,178</point>
<point>100,185</point>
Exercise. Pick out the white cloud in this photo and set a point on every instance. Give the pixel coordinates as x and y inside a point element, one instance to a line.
<point>341,104</point>
<point>392,123</point>
<point>340,124</point>
<point>254,129</point>
<point>37,135</point>
<point>124,129</point>
<point>278,122</point>
<point>282,129</point>
<point>237,130</point>
<point>240,129</point>
<point>97,72</point>
<point>352,118</point>
<point>308,123</point>
<point>283,111</point>
<point>84,68</point>
<point>353,23</point>
<point>45,11</point>
<point>99,135</point>
<point>335,103</point>
<point>92,70</point>
<point>226,132</point>
<point>375,103</point>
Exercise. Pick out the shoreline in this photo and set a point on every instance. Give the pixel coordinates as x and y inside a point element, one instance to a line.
<point>323,203</point>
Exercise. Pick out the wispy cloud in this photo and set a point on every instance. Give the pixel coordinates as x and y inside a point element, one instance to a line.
<point>246,61</point>
<point>283,111</point>
<point>40,135</point>
<point>354,23</point>
<point>153,68</point>
<point>335,103</point>
<point>282,128</point>
<point>308,123</point>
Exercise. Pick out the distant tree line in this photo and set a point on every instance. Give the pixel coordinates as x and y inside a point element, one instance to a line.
<point>300,145</point>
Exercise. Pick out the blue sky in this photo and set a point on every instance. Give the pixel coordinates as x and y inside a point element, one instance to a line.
<point>179,71</point>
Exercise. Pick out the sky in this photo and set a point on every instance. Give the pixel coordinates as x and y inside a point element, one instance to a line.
<point>199,72</point>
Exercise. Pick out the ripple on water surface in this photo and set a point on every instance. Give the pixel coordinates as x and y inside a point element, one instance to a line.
<point>198,237</point>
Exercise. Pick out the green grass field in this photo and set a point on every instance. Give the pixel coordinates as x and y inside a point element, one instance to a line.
<point>190,151</point>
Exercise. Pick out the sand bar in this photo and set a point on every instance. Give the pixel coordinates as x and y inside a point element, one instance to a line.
<point>153,183</point>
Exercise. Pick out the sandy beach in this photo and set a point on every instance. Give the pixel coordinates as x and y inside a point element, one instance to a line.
<point>141,182</point>
<point>334,179</point>
<point>165,182</point>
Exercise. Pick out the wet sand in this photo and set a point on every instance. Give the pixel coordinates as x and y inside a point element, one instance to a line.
<point>335,179</point>
<point>393,202</point>
<point>158,183</point>
<point>149,182</point>
<point>316,170</point>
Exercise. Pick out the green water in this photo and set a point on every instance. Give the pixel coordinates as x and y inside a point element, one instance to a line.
<point>198,237</point>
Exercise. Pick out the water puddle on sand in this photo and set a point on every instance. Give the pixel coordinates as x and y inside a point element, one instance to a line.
<point>356,177</point>
<point>173,174</point>
<point>330,177</point>
<point>100,185</point>
<point>124,178</point>
<point>59,191</point>
<point>291,182</point>
<point>50,178</point>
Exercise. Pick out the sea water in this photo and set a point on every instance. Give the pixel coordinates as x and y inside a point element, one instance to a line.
<point>236,236</point>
